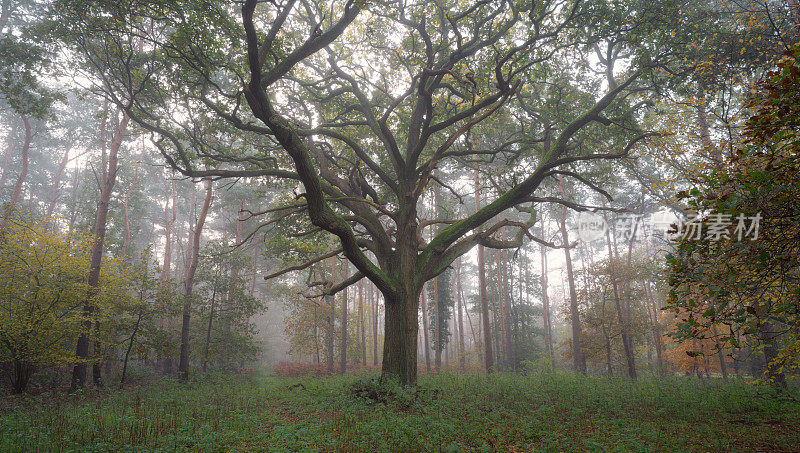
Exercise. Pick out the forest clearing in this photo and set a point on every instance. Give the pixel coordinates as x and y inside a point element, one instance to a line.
<point>399,225</point>
<point>541,411</point>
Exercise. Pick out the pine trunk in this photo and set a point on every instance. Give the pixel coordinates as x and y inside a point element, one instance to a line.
<point>109,179</point>
<point>188,284</point>
<point>361,322</point>
<point>343,354</point>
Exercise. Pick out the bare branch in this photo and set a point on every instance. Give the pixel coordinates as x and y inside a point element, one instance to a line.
<point>305,265</point>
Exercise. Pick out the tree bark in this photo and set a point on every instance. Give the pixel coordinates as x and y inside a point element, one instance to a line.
<point>109,179</point>
<point>23,371</point>
<point>188,284</point>
<point>400,341</point>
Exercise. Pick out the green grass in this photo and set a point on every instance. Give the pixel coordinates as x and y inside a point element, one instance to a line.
<point>550,412</point>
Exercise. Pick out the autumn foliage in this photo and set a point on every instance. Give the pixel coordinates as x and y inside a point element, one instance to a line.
<point>751,285</point>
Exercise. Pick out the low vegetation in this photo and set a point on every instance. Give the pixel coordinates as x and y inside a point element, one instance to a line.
<point>506,412</point>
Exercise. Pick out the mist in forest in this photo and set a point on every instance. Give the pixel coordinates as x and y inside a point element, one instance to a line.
<point>400,226</point>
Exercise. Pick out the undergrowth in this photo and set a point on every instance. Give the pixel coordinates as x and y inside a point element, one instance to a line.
<point>548,411</point>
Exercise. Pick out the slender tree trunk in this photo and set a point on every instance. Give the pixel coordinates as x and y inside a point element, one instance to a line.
<point>548,332</point>
<point>23,173</point>
<point>609,369</point>
<point>723,369</point>
<point>51,205</point>
<point>74,199</point>
<point>210,321</point>
<point>127,240</point>
<point>505,303</point>
<point>502,346</point>
<point>656,329</point>
<point>166,269</point>
<point>627,345</point>
<point>188,284</point>
<point>462,359</point>
<point>374,293</point>
<point>109,179</point>
<point>436,212</point>
<point>128,351</point>
<point>437,341</point>
<point>425,329</point>
<point>361,322</point>
<point>456,331</point>
<point>447,353</point>
<point>709,150</point>
<point>343,356</point>
<point>168,222</point>
<point>7,159</point>
<point>606,335</point>
<point>463,305</point>
<point>487,328</point>
<point>772,370</point>
<point>329,338</point>
<point>579,360</point>
<point>316,337</point>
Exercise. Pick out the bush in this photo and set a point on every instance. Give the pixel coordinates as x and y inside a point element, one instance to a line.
<point>384,391</point>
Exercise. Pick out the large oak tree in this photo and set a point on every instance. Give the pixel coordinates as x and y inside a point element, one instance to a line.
<point>352,106</point>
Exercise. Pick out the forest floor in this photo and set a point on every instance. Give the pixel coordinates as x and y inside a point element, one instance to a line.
<point>502,412</point>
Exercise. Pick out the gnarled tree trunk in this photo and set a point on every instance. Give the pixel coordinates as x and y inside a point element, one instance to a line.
<point>400,341</point>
